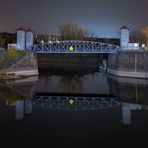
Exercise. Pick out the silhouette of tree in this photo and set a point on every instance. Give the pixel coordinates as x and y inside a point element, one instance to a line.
<point>71,31</point>
<point>144,32</point>
<point>6,38</point>
<point>135,36</point>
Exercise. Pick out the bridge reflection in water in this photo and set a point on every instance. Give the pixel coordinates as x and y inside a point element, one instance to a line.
<point>71,103</point>
<point>125,95</point>
<point>76,103</point>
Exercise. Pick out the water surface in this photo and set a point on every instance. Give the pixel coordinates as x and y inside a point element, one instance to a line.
<point>74,108</point>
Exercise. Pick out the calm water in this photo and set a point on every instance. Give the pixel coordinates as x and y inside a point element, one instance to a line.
<point>74,108</point>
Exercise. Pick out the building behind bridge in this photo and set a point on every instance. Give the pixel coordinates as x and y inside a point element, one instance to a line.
<point>24,39</point>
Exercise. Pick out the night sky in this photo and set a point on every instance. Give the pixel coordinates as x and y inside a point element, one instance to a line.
<point>104,17</point>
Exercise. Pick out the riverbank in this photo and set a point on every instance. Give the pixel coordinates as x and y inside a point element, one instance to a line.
<point>16,67</point>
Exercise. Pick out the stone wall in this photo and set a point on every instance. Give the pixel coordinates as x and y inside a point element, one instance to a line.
<point>23,66</point>
<point>129,64</point>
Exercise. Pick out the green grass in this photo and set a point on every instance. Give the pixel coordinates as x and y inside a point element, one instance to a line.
<point>14,53</point>
<point>10,57</point>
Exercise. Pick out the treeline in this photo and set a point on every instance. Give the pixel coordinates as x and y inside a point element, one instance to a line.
<point>6,38</point>
<point>47,38</point>
<point>71,31</point>
<point>140,36</point>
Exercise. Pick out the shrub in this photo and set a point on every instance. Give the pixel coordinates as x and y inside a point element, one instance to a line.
<point>13,52</point>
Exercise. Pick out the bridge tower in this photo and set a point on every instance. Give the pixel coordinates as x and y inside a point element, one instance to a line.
<point>20,39</point>
<point>124,37</point>
<point>29,38</point>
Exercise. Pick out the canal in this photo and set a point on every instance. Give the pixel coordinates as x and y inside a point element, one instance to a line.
<point>74,107</point>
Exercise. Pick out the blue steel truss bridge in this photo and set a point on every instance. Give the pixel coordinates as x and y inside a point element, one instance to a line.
<point>74,46</point>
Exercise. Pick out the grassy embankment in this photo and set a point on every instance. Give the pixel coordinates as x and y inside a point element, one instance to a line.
<point>7,59</point>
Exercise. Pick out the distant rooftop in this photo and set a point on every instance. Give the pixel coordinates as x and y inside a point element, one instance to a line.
<point>29,30</point>
<point>20,29</point>
<point>124,27</point>
<point>25,30</point>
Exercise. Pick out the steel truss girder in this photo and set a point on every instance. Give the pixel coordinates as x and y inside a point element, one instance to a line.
<point>79,47</point>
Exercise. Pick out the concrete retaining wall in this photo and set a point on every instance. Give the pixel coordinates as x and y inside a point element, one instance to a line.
<point>129,64</point>
<point>25,66</point>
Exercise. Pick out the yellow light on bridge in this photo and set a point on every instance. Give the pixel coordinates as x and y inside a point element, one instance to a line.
<point>71,101</point>
<point>71,48</point>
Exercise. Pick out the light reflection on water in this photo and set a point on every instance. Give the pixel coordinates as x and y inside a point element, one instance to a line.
<point>114,100</point>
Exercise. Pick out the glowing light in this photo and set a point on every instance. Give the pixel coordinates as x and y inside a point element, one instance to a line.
<point>136,45</point>
<point>71,48</point>
<point>57,41</point>
<point>143,45</point>
<point>71,101</point>
<point>42,42</point>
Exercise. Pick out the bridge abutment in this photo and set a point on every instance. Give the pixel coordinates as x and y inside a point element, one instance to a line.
<point>24,65</point>
<point>129,64</point>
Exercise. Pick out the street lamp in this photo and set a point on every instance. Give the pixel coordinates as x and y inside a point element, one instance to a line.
<point>42,42</point>
<point>143,46</point>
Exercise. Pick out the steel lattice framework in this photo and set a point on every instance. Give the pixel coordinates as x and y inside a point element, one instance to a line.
<point>75,103</point>
<point>75,47</point>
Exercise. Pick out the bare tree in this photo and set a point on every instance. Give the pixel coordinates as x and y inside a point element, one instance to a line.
<point>6,38</point>
<point>135,36</point>
<point>144,32</point>
<point>70,31</point>
<point>140,36</point>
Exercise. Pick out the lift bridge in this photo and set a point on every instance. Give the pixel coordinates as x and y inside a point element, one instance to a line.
<point>76,102</point>
<point>74,46</point>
